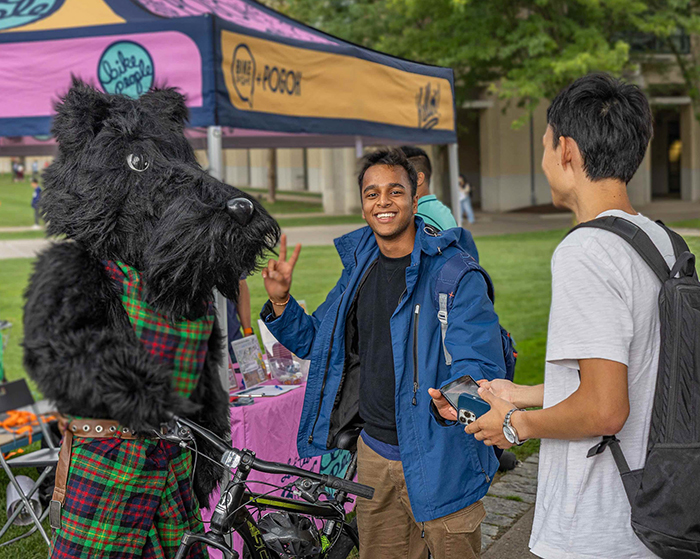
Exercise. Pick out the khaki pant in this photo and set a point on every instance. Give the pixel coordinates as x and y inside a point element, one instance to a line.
<point>386,524</point>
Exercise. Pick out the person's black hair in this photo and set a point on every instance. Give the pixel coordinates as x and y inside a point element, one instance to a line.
<point>609,119</point>
<point>391,157</point>
<point>420,161</point>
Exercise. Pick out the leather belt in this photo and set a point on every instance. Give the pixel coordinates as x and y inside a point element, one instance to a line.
<point>81,428</point>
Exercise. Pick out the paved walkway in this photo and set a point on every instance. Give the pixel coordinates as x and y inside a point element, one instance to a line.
<point>509,499</point>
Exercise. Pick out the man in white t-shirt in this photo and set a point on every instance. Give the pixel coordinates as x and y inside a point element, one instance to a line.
<point>603,339</point>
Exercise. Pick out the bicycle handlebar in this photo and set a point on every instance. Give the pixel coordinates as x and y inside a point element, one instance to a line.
<point>331,482</point>
<point>264,466</point>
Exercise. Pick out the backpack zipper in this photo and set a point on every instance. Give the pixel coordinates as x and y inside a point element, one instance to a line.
<point>416,315</point>
<point>673,384</point>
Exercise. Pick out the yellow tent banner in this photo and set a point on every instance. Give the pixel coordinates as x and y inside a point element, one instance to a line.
<point>269,77</point>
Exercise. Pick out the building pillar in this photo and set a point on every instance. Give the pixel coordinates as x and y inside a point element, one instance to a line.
<point>258,168</point>
<point>639,188</point>
<point>290,170</point>
<point>490,147</point>
<point>510,159</point>
<point>339,181</point>
<point>352,200</point>
<point>690,155</point>
<point>236,171</point>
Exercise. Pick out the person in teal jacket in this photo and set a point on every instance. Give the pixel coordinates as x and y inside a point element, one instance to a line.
<point>375,350</point>
<point>430,209</point>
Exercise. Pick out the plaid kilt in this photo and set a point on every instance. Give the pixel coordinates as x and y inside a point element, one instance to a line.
<point>179,344</point>
<point>127,499</point>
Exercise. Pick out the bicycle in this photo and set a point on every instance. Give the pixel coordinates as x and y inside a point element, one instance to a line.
<point>291,533</point>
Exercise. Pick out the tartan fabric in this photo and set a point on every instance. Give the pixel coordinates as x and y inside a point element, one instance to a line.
<point>127,499</point>
<point>132,498</point>
<point>180,344</point>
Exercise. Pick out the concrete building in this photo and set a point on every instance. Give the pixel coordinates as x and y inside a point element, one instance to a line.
<point>503,164</point>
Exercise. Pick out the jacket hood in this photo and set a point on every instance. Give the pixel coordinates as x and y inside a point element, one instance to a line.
<point>356,243</point>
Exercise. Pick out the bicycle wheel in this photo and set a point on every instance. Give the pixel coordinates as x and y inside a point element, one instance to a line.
<point>344,547</point>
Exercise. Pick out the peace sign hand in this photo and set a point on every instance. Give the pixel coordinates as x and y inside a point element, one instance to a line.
<point>278,274</point>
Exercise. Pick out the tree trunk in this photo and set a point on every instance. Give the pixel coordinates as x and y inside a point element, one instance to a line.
<point>272,175</point>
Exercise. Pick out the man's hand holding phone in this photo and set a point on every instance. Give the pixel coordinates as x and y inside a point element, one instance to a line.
<point>443,407</point>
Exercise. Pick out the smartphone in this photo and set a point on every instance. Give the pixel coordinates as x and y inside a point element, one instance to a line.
<point>463,395</point>
<point>452,391</point>
<point>470,408</point>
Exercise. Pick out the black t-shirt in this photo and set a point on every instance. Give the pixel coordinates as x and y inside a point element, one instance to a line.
<point>376,302</point>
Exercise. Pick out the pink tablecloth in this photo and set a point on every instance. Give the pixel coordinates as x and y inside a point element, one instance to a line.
<point>269,428</point>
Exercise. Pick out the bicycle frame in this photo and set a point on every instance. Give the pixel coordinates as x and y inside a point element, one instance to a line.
<point>231,514</point>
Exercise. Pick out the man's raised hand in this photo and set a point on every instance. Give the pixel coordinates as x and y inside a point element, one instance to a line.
<point>278,275</point>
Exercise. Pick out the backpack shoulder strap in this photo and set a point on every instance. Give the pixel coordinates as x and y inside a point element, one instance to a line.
<point>636,237</point>
<point>678,242</point>
<point>446,284</point>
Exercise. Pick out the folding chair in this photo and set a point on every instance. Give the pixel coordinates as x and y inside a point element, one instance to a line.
<point>14,395</point>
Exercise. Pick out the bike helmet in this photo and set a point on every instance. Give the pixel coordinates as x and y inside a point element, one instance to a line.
<point>290,535</point>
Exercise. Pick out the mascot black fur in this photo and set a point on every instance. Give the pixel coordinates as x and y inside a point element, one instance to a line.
<point>125,188</point>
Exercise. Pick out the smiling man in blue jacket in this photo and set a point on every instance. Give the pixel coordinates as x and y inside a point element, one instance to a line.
<point>375,350</point>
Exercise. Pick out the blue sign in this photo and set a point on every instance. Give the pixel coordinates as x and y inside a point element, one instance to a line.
<point>15,13</point>
<point>125,68</point>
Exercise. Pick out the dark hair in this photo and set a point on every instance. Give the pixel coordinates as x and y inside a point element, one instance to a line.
<point>609,119</point>
<point>420,160</point>
<point>391,157</point>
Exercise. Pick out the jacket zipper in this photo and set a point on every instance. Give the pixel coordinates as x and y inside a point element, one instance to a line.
<point>325,373</point>
<point>416,315</point>
<point>330,350</point>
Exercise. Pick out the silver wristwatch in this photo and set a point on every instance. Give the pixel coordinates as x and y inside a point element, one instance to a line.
<point>509,431</point>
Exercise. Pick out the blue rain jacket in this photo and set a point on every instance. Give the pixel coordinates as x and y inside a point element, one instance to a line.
<point>446,470</point>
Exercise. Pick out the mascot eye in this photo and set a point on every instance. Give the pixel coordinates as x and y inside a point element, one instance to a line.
<point>137,162</point>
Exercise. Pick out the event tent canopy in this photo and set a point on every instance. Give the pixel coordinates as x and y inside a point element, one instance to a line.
<point>240,64</point>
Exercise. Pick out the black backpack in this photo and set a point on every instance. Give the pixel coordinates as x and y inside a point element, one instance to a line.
<point>665,493</point>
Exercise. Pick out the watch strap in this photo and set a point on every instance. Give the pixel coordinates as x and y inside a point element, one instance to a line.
<point>507,424</point>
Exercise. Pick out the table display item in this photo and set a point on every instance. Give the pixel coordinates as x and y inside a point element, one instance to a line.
<point>250,360</point>
<point>275,350</point>
<point>287,371</point>
<point>266,391</point>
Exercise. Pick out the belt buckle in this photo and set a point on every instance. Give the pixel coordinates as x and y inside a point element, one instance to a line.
<point>55,514</point>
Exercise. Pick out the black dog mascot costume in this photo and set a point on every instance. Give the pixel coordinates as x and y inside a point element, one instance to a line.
<point>119,321</point>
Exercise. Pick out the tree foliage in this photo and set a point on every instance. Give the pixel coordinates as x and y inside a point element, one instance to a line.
<point>524,50</point>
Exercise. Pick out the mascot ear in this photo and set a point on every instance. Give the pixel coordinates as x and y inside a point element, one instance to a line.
<point>167,103</point>
<point>79,115</point>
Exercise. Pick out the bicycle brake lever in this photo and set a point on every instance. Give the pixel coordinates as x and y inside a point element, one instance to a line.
<point>307,489</point>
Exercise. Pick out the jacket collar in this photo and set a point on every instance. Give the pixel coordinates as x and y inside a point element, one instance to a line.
<point>353,246</point>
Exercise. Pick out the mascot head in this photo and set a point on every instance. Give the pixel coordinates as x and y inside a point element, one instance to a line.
<point>126,186</point>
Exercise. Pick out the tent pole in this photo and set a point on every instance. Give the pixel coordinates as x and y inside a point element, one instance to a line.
<point>216,168</point>
<point>453,158</point>
<point>359,148</point>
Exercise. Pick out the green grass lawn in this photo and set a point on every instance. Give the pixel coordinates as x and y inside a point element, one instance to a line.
<point>18,235</point>
<point>687,223</point>
<point>15,202</point>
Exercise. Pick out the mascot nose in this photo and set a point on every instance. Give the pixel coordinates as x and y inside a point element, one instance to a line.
<point>241,209</point>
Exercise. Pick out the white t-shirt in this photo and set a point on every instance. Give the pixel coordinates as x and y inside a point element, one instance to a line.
<point>604,306</point>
